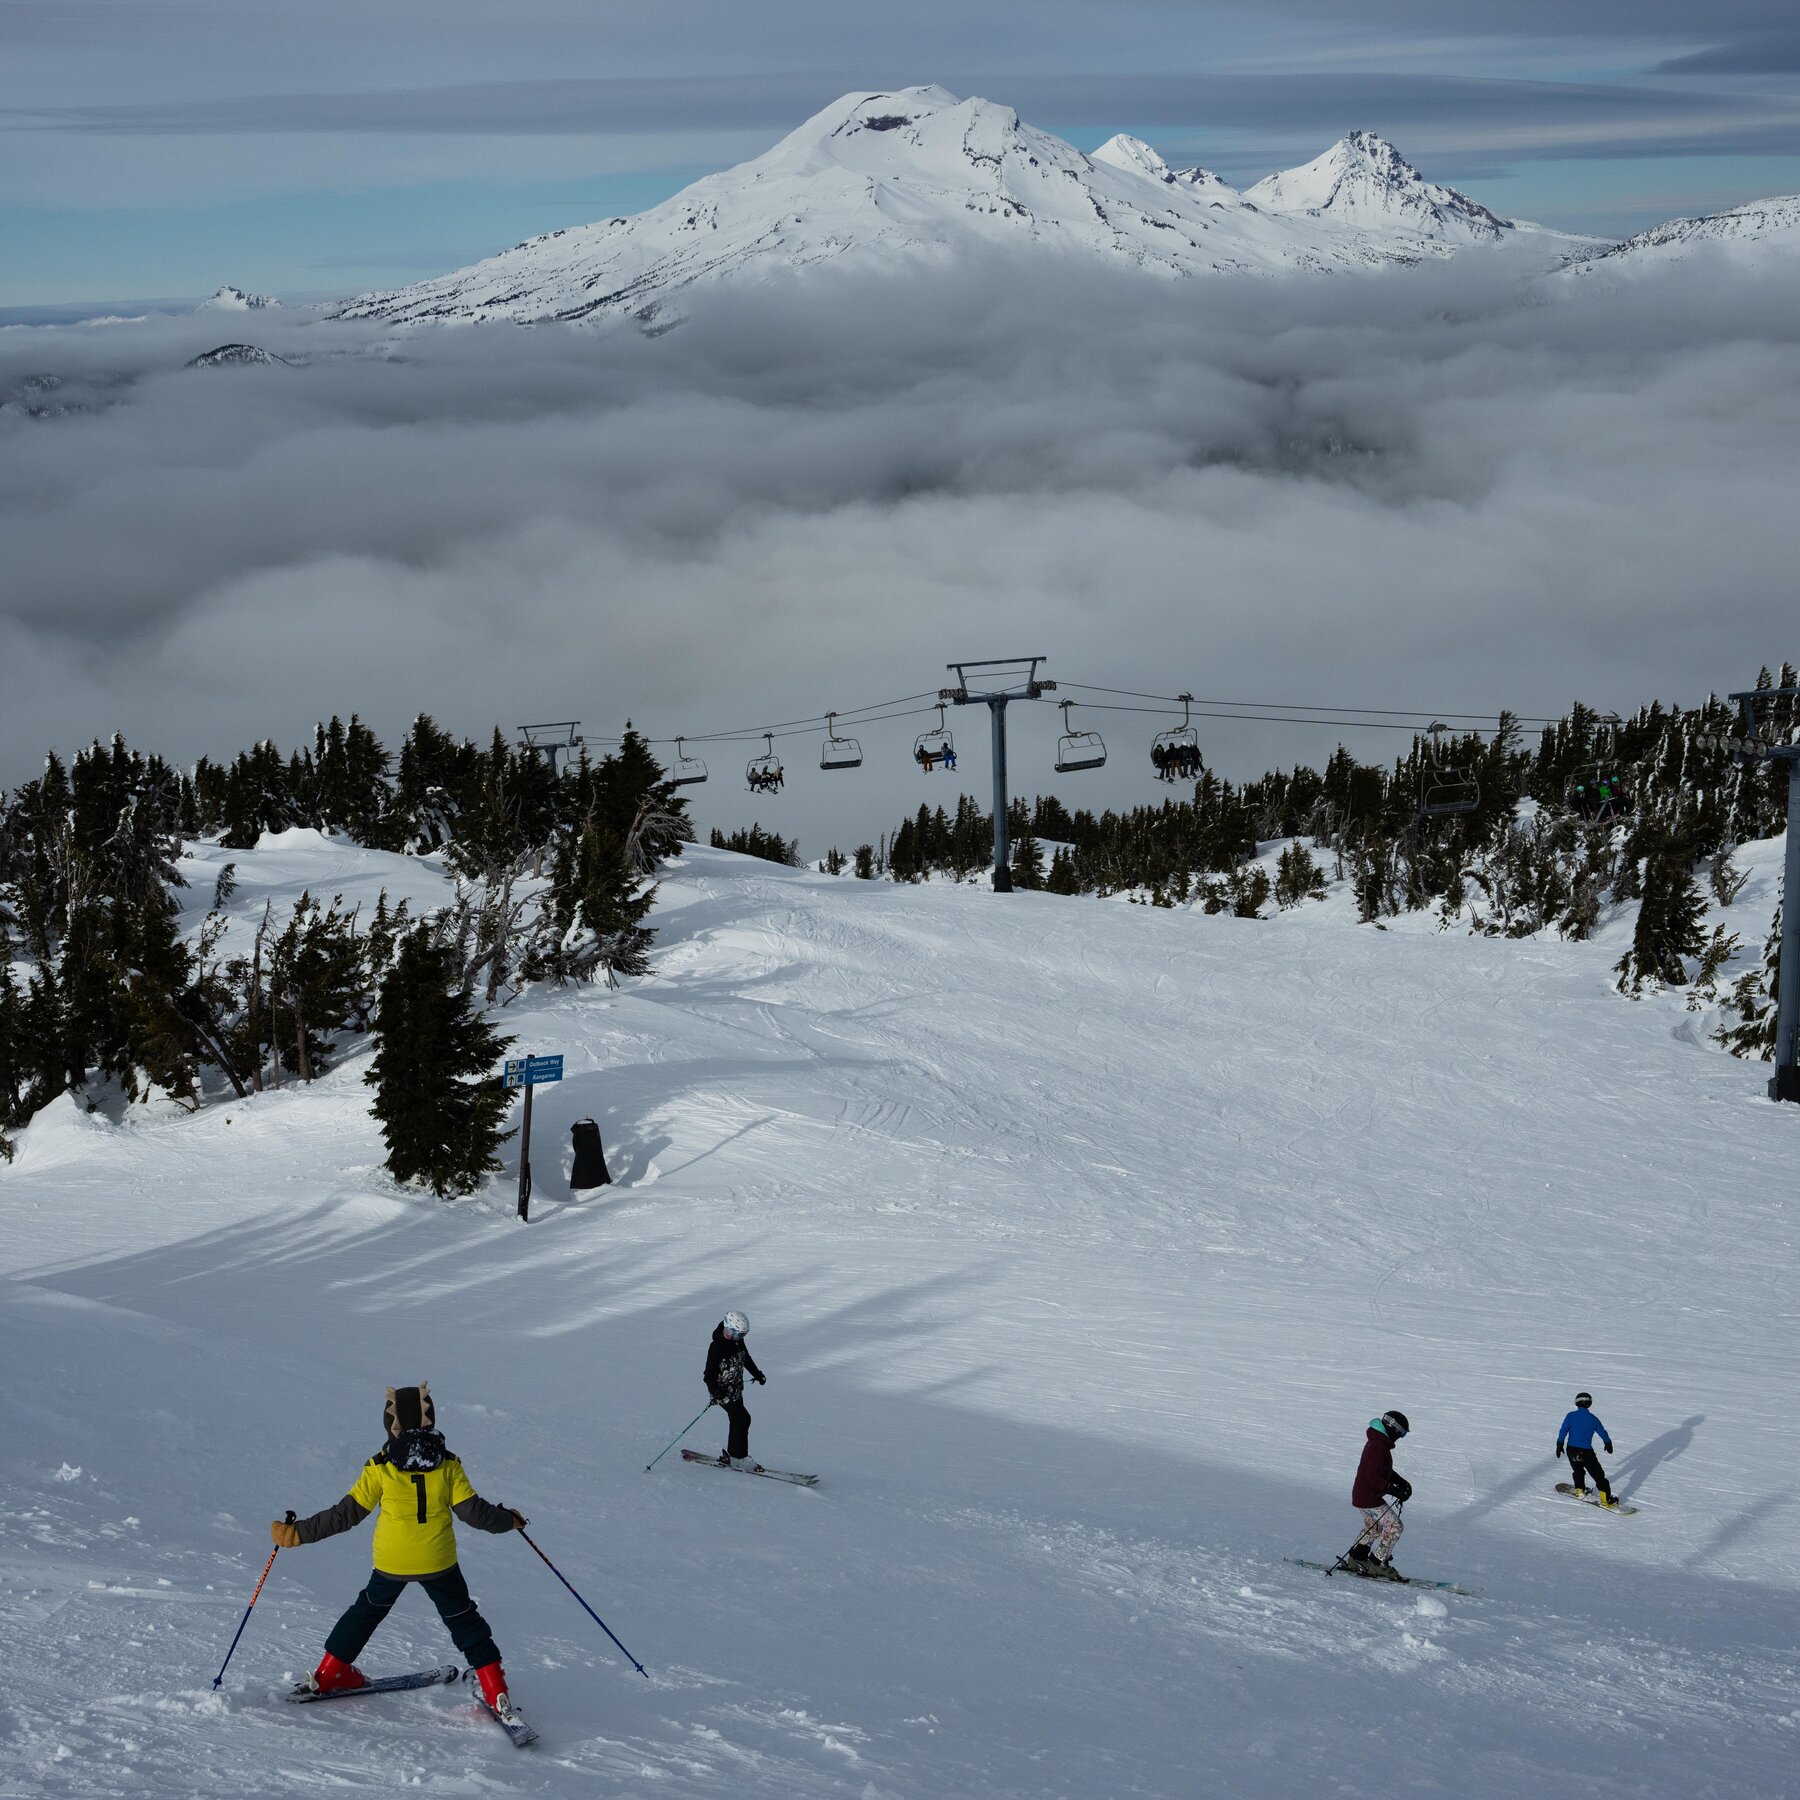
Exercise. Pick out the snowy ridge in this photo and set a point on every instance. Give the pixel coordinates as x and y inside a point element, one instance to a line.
<point>1078,1241</point>
<point>1757,234</point>
<point>917,174</point>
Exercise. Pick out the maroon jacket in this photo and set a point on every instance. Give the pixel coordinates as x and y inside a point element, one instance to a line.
<point>1375,1477</point>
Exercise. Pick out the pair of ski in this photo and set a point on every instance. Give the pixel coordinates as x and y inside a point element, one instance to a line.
<point>712,1462</point>
<point>516,1727</point>
<point>1350,1568</point>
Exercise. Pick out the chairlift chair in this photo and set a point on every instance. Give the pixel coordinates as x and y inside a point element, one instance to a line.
<point>838,752</point>
<point>1444,792</point>
<point>1175,754</point>
<point>936,746</point>
<point>1078,749</point>
<point>763,774</point>
<point>1596,791</point>
<point>686,771</point>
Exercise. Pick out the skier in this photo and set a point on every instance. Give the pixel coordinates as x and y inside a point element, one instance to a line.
<point>416,1484</point>
<point>1579,1430</point>
<point>1372,1553</point>
<point>726,1360</point>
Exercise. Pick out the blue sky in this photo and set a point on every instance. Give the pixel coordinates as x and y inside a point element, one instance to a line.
<point>154,148</point>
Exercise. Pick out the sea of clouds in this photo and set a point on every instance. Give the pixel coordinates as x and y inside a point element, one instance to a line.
<point>1428,488</point>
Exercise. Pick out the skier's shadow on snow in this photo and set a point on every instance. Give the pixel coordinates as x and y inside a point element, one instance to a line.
<point>1631,1472</point>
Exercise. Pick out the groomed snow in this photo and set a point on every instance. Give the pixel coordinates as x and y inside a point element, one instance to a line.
<point>1078,1240</point>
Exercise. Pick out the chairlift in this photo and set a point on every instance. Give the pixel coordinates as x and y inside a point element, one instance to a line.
<point>1444,792</point>
<point>1597,793</point>
<point>936,746</point>
<point>686,771</point>
<point>764,773</point>
<point>838,752</point>
<point>1078,749</point>
<point>1175,754</point>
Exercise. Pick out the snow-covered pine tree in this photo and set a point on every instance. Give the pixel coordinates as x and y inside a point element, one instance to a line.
<point>1753,999</point>
<point>440,1104</point>
<point>13,1070</point>
<point>1297,877</point>
<point>1668,922</point>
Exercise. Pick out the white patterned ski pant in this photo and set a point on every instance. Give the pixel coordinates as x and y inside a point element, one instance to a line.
<point>1381,1530</point>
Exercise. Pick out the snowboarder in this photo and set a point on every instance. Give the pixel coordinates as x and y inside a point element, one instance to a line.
<point>417,1485</point>
<point>726,1361</point>
<point>1579,1429</point>
<point>1376,1479</point>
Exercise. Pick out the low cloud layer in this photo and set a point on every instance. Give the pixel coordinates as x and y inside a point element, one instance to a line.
<point>1399,491</point>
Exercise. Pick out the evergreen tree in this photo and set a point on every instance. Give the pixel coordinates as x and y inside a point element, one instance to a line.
<point>1668,922</point>
<point>1027,863</point>
<point>865,862</point>
<point>440,1104</point>
<point>1754,998</point>
<point>769,845</point>
<point>1062,878</point>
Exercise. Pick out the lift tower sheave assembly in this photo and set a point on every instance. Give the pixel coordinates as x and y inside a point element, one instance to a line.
<point>1750,748</point>
<point>996,690</point>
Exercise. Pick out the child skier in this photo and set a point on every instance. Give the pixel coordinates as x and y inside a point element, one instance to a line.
<point>726,1360</point>
<point>416,1484</point>
<point>1372,1553</point>
<point>1579,1430</point>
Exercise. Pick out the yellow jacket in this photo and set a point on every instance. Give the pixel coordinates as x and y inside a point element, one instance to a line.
<point>416,1533</point>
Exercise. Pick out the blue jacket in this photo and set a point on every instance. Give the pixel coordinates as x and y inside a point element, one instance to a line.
<point>1580,1428</point>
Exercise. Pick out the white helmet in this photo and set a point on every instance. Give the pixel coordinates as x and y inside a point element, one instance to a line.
<point>736,1324</point>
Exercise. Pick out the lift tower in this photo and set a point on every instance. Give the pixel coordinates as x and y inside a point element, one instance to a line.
<point>1750,748</point>
<point>992,677</point>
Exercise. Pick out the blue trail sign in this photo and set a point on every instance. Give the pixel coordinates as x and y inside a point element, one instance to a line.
<point>528,1072</point>
<point>533,1071</point>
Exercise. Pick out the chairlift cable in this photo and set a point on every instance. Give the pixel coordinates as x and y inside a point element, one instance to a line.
<point>1299,706</point>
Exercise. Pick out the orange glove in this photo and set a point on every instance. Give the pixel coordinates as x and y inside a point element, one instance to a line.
<point>285,1533</point>
<point>519,1519</point>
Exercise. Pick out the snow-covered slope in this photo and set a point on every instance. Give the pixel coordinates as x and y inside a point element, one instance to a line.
<point>1760,234</point>
<point>1362,181</point>
<point>1078,1240</point>
<point>917,173</point>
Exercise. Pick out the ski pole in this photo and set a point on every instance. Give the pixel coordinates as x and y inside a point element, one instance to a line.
<point>560,1576</point>
<point>245,1620</point>
<point>1363,1536</point>
<point>676,1439</point>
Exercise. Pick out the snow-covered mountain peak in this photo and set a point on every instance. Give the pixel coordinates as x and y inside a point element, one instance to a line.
<point>235,299</point>
<point>1363,180</point>
<point>916,175</point>
<point>1136,157</point>
<point>1133,155</point>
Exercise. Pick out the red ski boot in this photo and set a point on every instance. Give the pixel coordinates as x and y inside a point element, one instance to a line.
<point>332,1676</point>
<point>493,1687</point>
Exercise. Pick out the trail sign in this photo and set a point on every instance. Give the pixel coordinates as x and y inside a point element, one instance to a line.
<point>528,1072</point>
<point>533,1071</point>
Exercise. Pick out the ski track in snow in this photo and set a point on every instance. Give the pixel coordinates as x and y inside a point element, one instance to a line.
<point>1078,1241</point>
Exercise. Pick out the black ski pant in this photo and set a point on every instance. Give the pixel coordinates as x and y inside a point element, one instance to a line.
<point>449,1594</point>
<point>738,1444</point>
<point>1583,1461</point>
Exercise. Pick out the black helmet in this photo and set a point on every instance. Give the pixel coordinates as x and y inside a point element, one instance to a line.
<point>1584,1399</point>
<point>1394,1423</point>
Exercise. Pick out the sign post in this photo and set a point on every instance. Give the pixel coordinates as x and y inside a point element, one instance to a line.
<point>528,1072</point>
